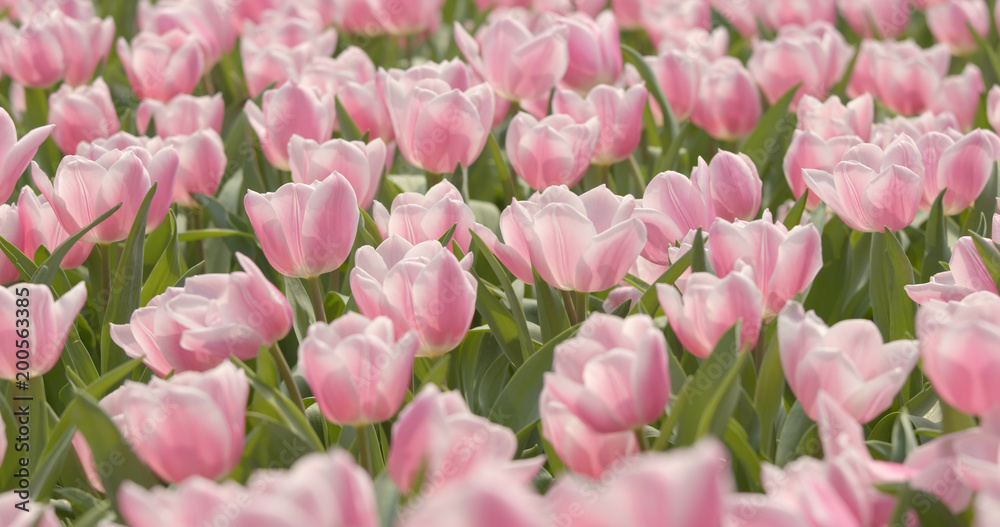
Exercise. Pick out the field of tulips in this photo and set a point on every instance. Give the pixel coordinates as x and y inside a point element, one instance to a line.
<point>499,263</point>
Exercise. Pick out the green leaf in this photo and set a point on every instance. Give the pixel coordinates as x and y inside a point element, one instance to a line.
<point>167,270</point>
<point>770,387</point>
<point>760,145</point>
<point>107,382</point>
<point>446,237</point>
<point>649,302</point>
<point>797,426</point>
<point>890,272</point>
<point>114,457</point>
<point>51,460</point>
<point>698,261</point>
<point>291,416</point>
<point>516,310</point>
<point>990,254</point>
<point>653,86</point>
<point>991,54</point>
<point>552,315</point>
<point>46,272</point>
<point>517,406</point>
<point>510,192</point>
<point>795,213</point>
<point>709,397</point>
<point>936,248</point>
<point>984,206</point>
<point>928,508</point>
<point>24,264</point>
<point>738,441</point>
<point>302,307</point>
<point>203,234</point>
<point>348,130</point>
<point>668,161</point>
<point>126,287</point>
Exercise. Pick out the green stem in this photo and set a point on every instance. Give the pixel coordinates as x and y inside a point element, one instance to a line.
<point>433,178</point>
<point>606,177</point>
<point>642,439</point>
<point>104,251</point>
<point>316,295</point>
<point>671,421</point>
<point>580,301</point>
<point>567,297</point>
<point>194,214</point>
<point>640,179</point>
<point>759,350</point>
<point>286,376</point>
<point>364,453</point>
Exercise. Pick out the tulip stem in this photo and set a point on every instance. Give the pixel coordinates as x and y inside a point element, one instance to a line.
<point>640,436</point>
<point>194,214</point>
<point>316,295</point>
<point>286,376</point>
<point>606,177</point>
<point>104,251</point>
<point>364,453</point>
<point>574,318</point>
<point>640,179</point>
<point>433,178</point>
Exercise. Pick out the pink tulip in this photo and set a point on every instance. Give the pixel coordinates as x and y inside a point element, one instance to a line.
<point>357,369</point>
<point>575,243</point>
<point>12,231</point>
<point>630,350</point>
<point>61,47</point>
<point>594,50</point>
<point>306,230</point>
<point>277,50</point>
<point>367,109</point>
<point>955,465</point>
<point>82,114</point>
<point>810,151</point>
<point>328,74</point>
<point>832,118</point>
<point>711,306</point>
<point>554,151</point>
<point>728,106</point>
<point>115,177</point>
<point>50,321</point>
<point>16,154</point>
<point>437,436</point>
<point>483,499</point>
<point>871,189</point>
<point>992,107</point>
<point>777,14</point>
<point>619,112</point>
<point>355,17</point>
<point>38,515</point>
<point>742,14</point>
<point>902,75</point>
<point>967,274</point>
<point>784,261</point>
<point>438,127</point>
<point>582,449</point>
<point>960,94</point>
<point>320,489</point>
<point>987,506</point>
<point>287,111</point>
<point>957,344</point>
<point>402,19</point>
<point>202,163</point>
<point>732,182</point>
<point>949,23</point>
<point>672,206</point>
<point>697,42</point>
<point>162,66</point>
<point>418,218</point>
<point>890,17</point>
<point>359,163</point>
<point>42,228</point>
<point>668,22</point>
<point>190,425</point>
<point>183,115</point>
<point>24,10</point>
<point>816,56</point>
<point>848,361</point>
<point>423,287</point>
<point>208,21</point>
<point>963,167</point>
<point>682,488</point>
<point>677,74</point>
<point>197,327</point>
<point>518,63</point>
<point>884,132</point>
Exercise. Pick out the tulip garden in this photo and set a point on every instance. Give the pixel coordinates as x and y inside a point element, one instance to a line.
<point>518,263</point>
